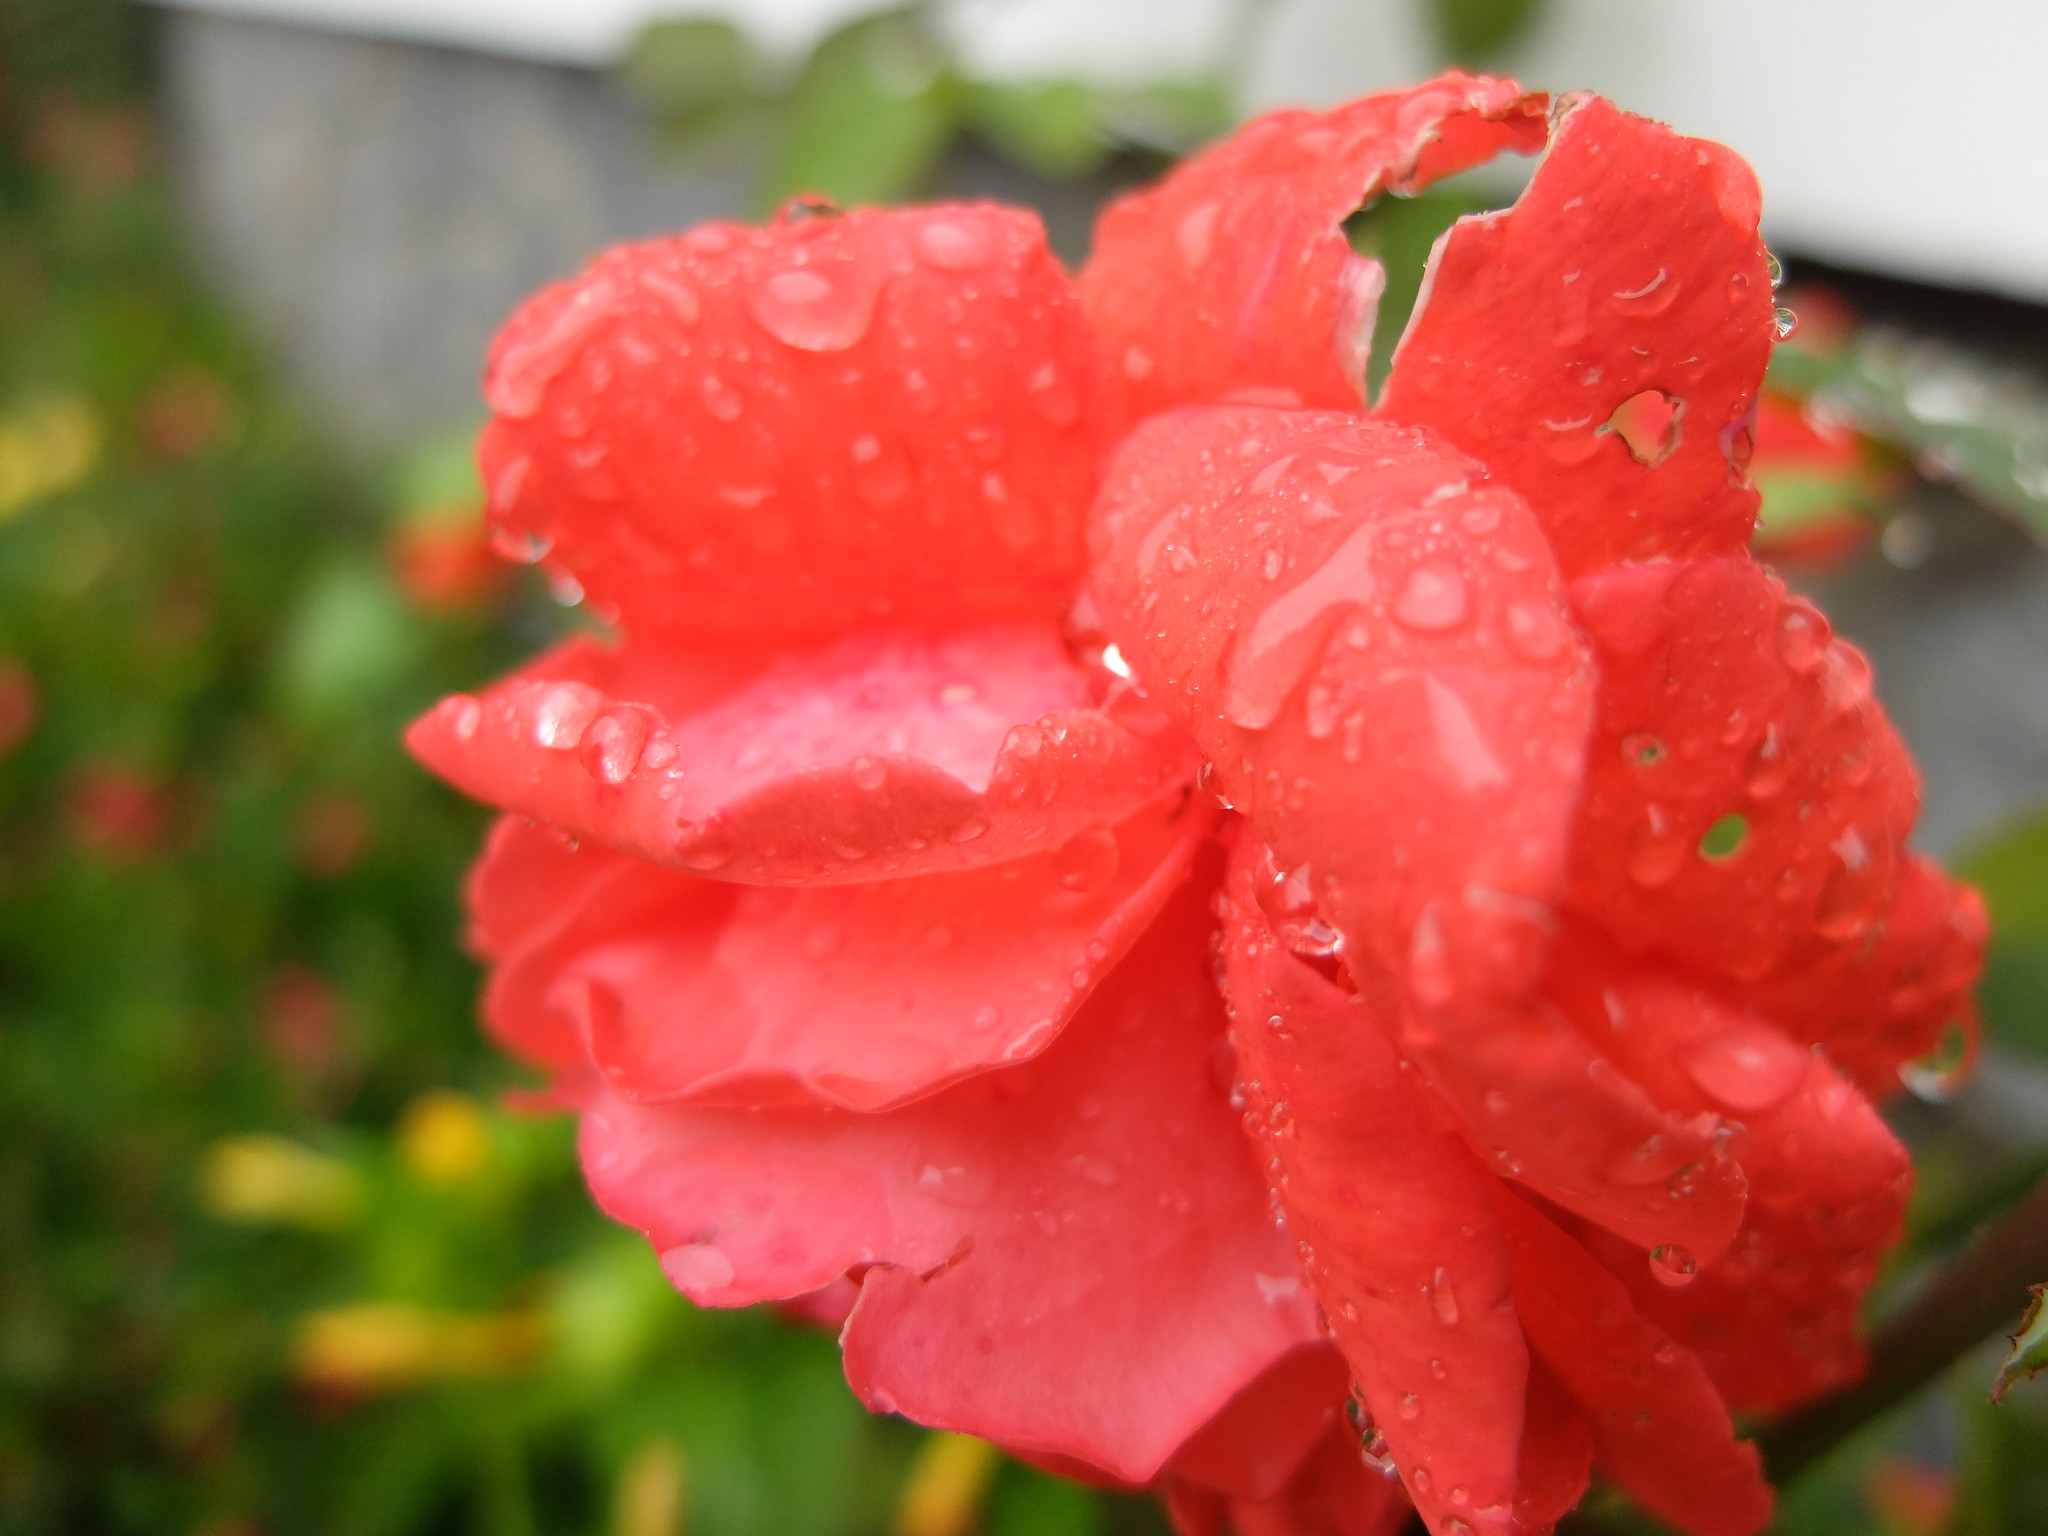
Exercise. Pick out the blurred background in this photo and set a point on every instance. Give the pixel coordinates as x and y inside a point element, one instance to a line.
<point>282,1249</point>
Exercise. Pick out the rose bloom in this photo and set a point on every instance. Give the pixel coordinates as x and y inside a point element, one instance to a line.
<point>1323,960</point>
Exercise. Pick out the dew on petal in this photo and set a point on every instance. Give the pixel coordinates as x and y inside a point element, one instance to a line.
<point>1673,1265</point>
<point>1433,598</point>
<point>612,744</point>
<point>815,309</point>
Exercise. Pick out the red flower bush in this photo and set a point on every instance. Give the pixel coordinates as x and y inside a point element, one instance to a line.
<point>861,899</point>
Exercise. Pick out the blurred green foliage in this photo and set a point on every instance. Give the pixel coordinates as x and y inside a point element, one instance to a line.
<point>867,115</point>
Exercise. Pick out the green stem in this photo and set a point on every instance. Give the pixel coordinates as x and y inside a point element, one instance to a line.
<point>1981,1293</point>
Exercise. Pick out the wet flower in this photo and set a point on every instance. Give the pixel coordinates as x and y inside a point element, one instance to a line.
<point>1008,661</point>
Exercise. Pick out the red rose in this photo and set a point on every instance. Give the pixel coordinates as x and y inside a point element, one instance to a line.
<point>860,900</point>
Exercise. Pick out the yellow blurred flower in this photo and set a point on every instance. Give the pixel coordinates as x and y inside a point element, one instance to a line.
<point>264,1180</point>
<point>444,1139</point>
<point>948,1482</point>
<point>387,1346</point>
<point>45,448</point>
<point>648,1500</point>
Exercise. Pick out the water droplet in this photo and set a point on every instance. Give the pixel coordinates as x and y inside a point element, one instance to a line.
<point>1420,1480</point>
<point>1936,1076</point>
<point>985,1018</point>
<point>967,832</point>
<point>612,743</point>
<point>1431,976</point>
<point>952,246</point>
<point>562,713</point>
<point>720,398</point>
<point>521,373</point>
<point>1267,660</point>
<point>1724,839</point>
<point>868,773</point>
<point>1672,1265</point>
<point>881,474</point>
<point>1802,636</point>
<point>1784,323</point>
<point>1437,1370</point>
<point>1747,1068</point>
<point>1052,396</point>
<point>1443,1300</point>
<point>1197,235</point>
<point>1432,598</point>
<point>1769,765</point>
<point>1774,267</point>
<point>1850,896</point>
<point>463,714</point>
<point>1409,1408</point>
<point>696,1267</point>
<point>1459,740</point>
<point>1655,856</point>
<point>1087,862</point>
<point>520,545</point>
<point>677,296</point>
<point>1533,631</point>
<point>823,308</point>
<point>565,589</point>
<point>1650,298</point>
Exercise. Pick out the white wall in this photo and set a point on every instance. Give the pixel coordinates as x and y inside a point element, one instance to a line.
<point>1909,136</point>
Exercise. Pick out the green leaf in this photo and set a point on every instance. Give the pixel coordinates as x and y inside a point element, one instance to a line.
<point>1797,499</point>
<point>1053,129</point>
<point>869,117</point>
<point>1960,416</point>
<point>2028,1356</point>
<point>1472,30</point>
<point>1400,232</point>
<point>2012,872</point>
<point>351,641</point>
<point>685,71</point>
<point>1168,117</point>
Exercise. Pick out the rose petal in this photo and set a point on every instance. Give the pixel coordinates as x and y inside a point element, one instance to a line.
<point>1659,1427</point>
<point>859,996</point>
<point>804,427</point>
<point>1877,1005</point>
<point>1257,1442</point>
<point>1628,274</point>
<point>880,755</point>
<point>1393,1217</point>
<point>1372,651</point>
<point>1773,1320</point>
<point>1747,803</point>
<point>1231,273</point>
<point>1067,1254</point>
<point>1333,1493</point>
<point>1556,1465</point>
